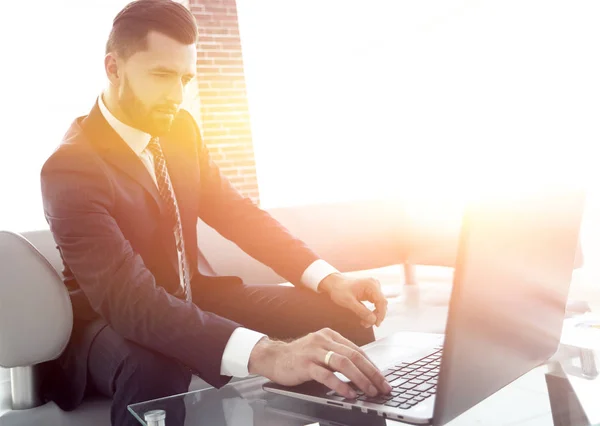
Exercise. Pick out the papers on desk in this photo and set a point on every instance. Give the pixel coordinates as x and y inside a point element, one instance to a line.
<point>582,331</point>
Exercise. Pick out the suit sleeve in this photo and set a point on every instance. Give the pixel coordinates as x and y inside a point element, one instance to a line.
<point>77,199</point>
<point>240,220</point>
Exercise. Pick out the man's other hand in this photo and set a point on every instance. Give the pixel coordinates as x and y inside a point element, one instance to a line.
<point>303,360</point>
<point>350,292</point>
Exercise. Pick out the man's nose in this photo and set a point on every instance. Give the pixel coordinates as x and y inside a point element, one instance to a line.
<point>176,93</point>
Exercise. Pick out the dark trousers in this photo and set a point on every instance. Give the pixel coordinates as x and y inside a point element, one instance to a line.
<point>129,373</point>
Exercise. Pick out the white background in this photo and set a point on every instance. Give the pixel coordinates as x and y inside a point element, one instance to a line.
<point>350,98</point>
<point>52,71</point>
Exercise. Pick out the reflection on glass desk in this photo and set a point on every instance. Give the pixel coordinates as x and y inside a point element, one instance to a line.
<point>565,391</point>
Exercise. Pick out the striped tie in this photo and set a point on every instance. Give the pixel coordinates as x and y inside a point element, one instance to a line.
<point>165,189</point>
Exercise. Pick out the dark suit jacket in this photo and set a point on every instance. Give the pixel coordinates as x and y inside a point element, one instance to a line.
<point>119,253</point>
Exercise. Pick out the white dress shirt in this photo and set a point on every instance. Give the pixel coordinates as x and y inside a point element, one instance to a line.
<point>237,351</point>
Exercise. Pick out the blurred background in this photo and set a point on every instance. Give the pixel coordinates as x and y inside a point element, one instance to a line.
<point>302,102</point>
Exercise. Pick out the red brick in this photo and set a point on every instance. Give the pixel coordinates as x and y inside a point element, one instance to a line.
<point>238,125</point>
<point>210,133</point>
<point>205,31</point>
<point>232,101</point>
<point>216,7</point>
<point>217,29</point>
<point>238,164</point>
<point>220,93</point>
<point>238,156</point>
<point>231,46</point>
<point>234,83</point>
<point>222,108</point>
<point>247,187</point>
<point>217,158</point>
<point>229,61</point>
<point>222,15</point>
<point>227,42</point>
<point>203,62</point>
<point>208,70</point>
<point>213,125</point>
<point>220,76</point>
<point>230,70</point>
<point>225,126</point>
<point>223,113</point>
<point>236,145</point>
<point>205,46</point>
<point>212,93</point>
<point>213,150</point>
<point>221,55</point>
<point>237,132</point>
<point>229,115</point>
<point>196,7</point>
<point>235,178</point>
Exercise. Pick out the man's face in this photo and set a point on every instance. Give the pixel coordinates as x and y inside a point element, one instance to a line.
<point>153,83</point>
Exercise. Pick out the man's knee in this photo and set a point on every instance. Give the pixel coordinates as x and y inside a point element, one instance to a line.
<point>348,324</point>
<point>355,332</point>
<point>147,374</point>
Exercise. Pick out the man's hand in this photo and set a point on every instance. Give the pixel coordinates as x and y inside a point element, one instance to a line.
<point>302,360</point>
<point>349,293</point>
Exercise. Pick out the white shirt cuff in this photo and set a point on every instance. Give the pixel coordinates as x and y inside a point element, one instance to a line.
<point>237,352</point>
<point>316,272</point>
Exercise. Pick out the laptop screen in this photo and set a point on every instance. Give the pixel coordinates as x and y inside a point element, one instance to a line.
<point>511,284</point>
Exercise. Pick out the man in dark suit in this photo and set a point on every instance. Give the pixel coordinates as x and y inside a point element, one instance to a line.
<point>122,195</point>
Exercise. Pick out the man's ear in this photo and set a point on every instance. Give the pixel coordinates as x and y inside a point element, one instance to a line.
<point>111,67</point>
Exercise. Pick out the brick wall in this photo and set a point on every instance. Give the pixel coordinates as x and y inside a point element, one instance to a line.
<point>221,98</point>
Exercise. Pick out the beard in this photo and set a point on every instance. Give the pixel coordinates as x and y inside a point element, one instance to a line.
<point>146,119</point>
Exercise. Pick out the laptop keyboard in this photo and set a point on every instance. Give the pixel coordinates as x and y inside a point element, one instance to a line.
<point>411,383</point>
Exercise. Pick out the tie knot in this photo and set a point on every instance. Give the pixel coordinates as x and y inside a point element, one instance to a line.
<point>154,146</point>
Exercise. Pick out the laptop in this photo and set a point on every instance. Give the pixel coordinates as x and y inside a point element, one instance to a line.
<point>511,282</point>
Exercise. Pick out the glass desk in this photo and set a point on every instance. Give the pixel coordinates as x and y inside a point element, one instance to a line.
<point>565,391</point>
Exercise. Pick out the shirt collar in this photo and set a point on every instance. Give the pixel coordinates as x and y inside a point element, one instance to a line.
<point>135,138</point>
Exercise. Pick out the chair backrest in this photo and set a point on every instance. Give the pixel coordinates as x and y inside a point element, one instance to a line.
<point>44,242</point>
<point>36,317</point>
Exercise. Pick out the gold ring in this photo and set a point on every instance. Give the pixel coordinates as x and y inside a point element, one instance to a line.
<point>328,357</point>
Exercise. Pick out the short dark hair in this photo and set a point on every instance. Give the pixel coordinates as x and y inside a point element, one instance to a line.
<point>133,23</point>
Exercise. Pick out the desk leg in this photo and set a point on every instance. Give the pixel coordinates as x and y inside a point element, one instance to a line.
<point>566,409</point>
<point>409,274</point>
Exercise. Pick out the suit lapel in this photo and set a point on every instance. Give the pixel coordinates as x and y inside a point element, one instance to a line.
<point>114,150</point>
